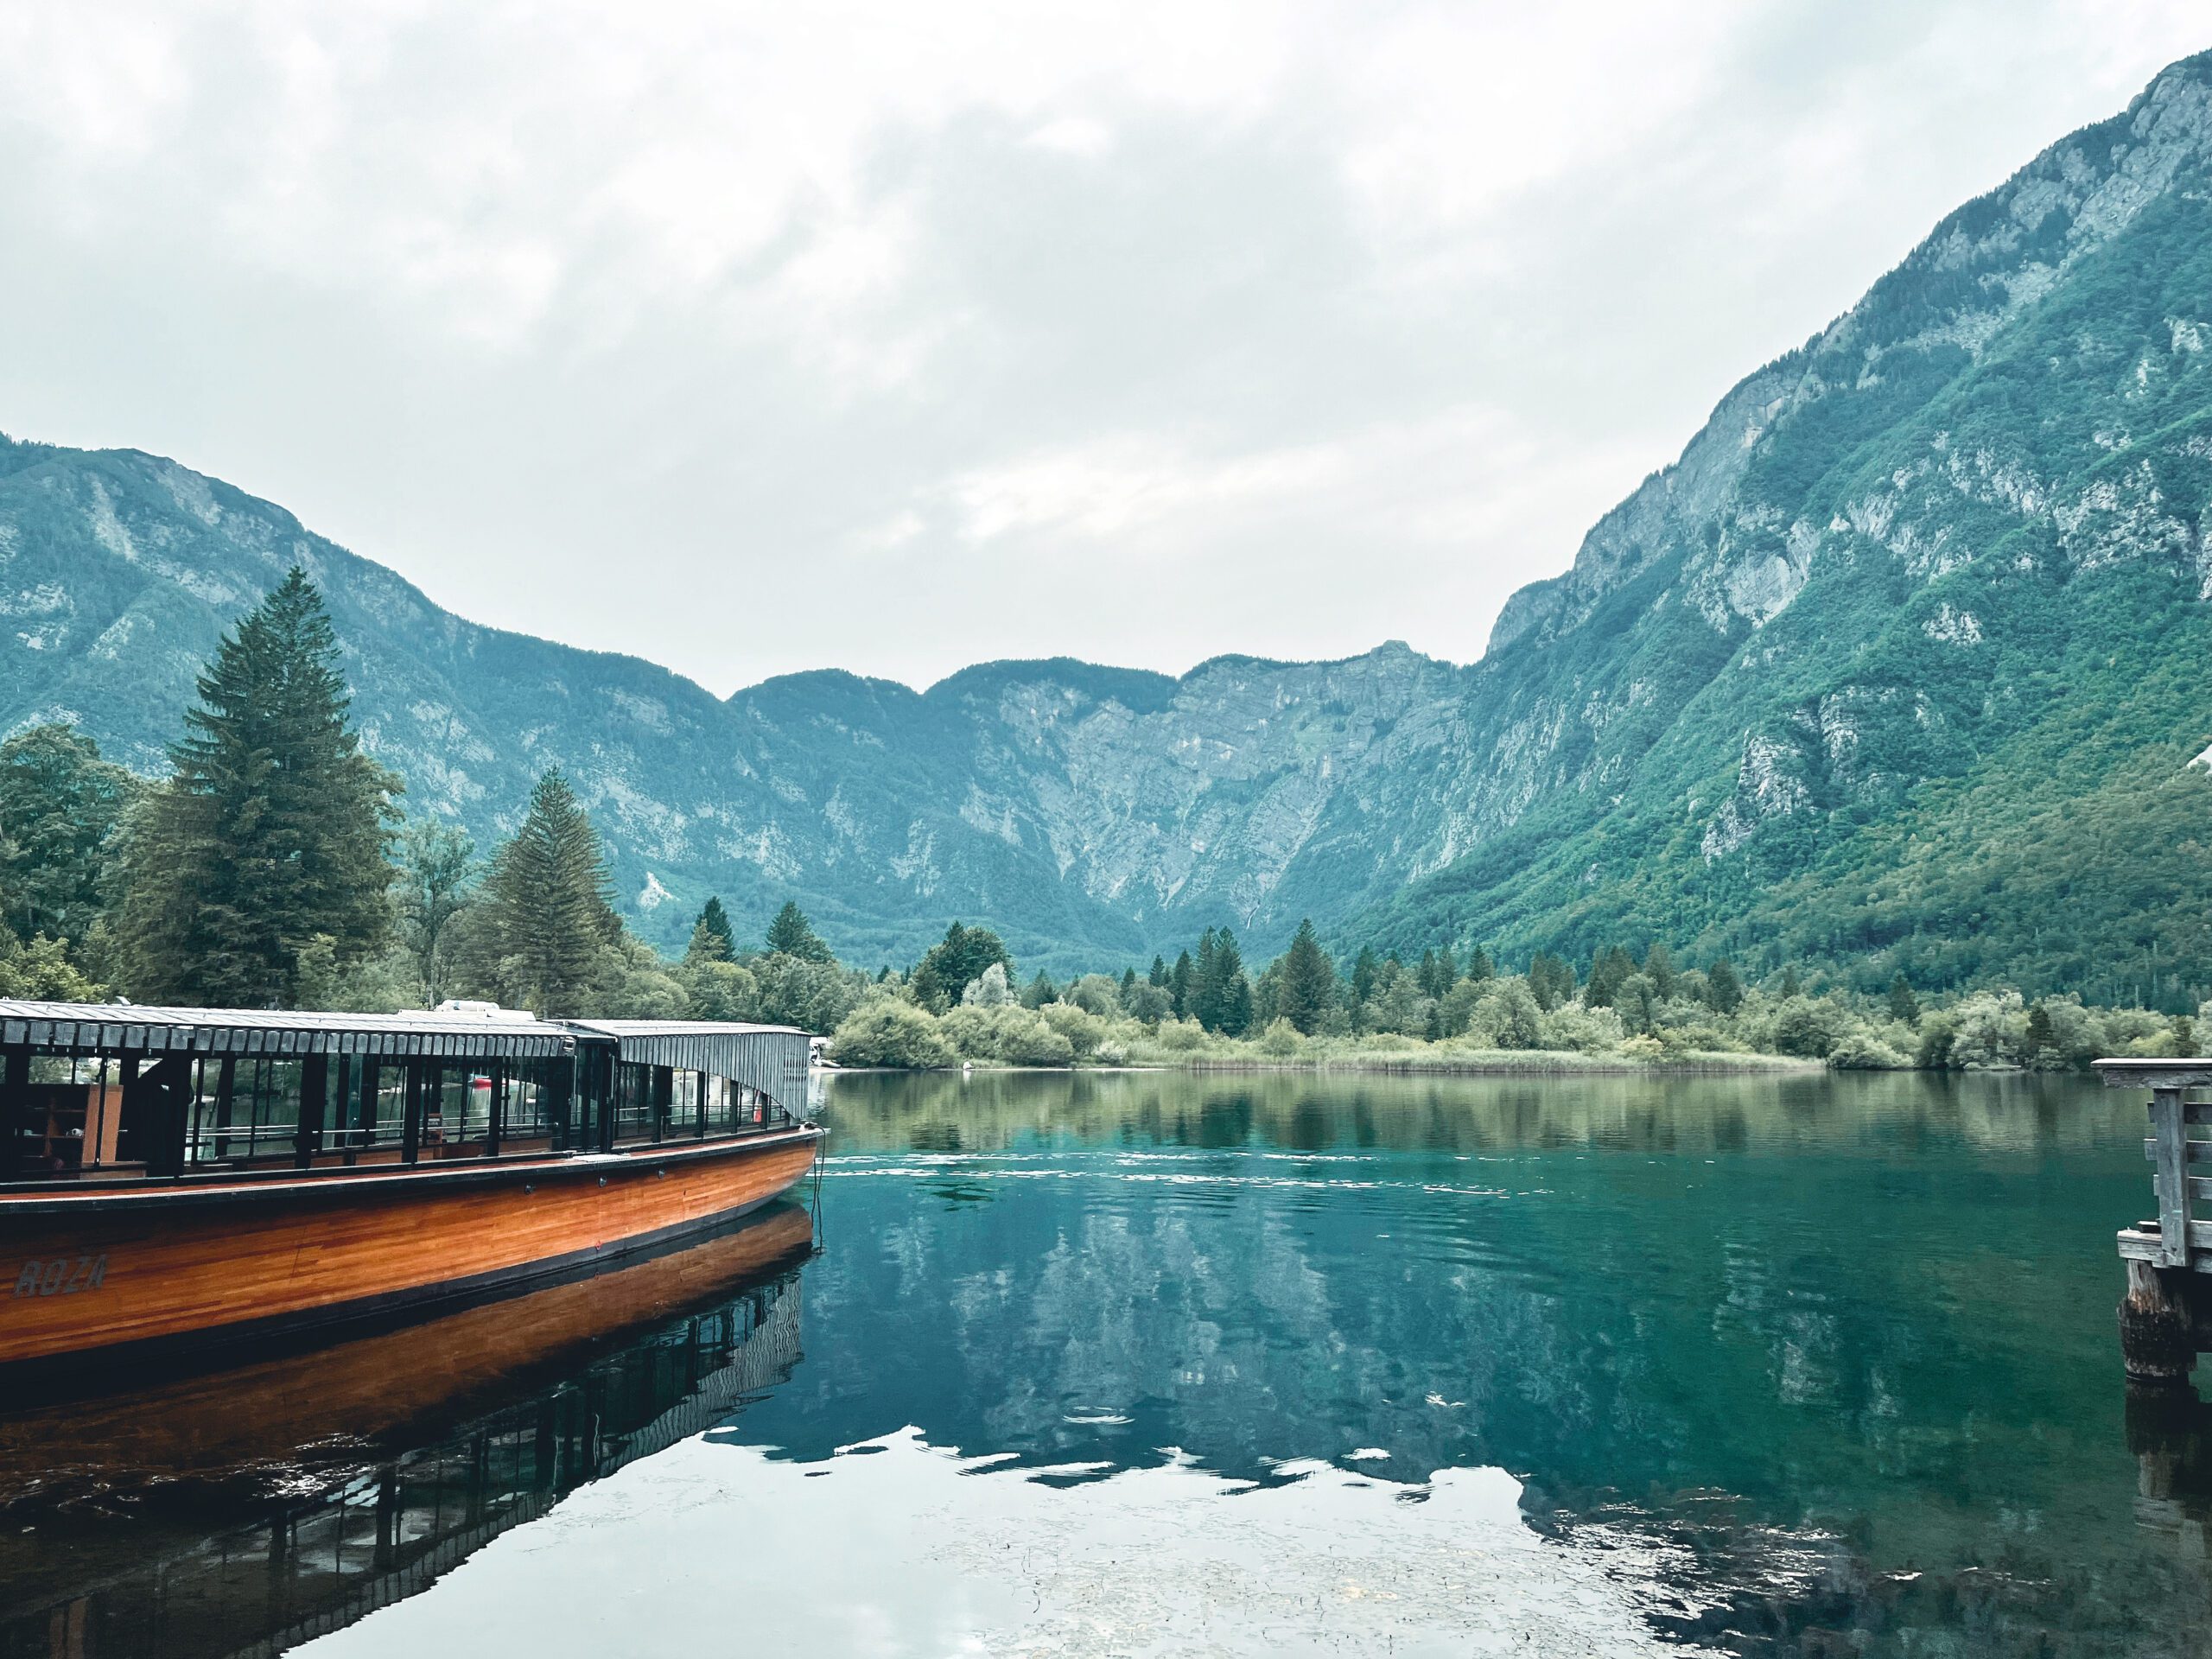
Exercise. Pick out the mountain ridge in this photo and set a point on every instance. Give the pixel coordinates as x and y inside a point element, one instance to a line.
<point>1787,658</point>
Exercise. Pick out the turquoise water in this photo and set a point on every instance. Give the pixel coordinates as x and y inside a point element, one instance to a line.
<point>1165,1362</point>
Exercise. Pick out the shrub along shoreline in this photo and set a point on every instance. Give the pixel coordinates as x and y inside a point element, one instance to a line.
<point>1489,1062</point>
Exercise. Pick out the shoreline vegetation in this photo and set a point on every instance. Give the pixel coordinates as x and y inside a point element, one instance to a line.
<point>1484,1063</point>
<point>273,868</point>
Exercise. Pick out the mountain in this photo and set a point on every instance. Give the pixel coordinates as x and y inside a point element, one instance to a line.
<point>1095,813</point>
<point>1903,661</point>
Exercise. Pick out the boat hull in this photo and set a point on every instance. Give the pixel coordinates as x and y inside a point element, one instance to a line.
<point>107,1278</point>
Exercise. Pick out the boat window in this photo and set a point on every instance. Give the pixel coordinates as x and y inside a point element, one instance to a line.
<point>68,1114</point>
<point>368,1107</point>
<point>680,1117</point>
<point>244,1107</point>
<point>634,1104</point>
<point>722,1105</point>
<point>530,1103</point>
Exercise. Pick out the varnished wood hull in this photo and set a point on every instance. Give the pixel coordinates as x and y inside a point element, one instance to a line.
<point>94,1277</point>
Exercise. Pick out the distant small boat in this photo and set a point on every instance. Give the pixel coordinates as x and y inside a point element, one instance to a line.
<point>176,1178</point>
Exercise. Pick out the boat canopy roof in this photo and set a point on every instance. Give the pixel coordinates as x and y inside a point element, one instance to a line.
<point>727,1049</point>
<point>760,1055</point>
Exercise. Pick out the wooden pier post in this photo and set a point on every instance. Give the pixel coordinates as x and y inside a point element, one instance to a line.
<point>2167,1309</point>
<point>2157,1324</point>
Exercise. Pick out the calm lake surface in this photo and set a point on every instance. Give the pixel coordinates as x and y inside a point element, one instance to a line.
<point>1149,1363</point>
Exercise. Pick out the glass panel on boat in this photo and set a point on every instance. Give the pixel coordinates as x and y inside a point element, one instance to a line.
<point>720,1104</point>
<point>527,1122</point>
<point>633,1104</point>
<point>680,1118</point>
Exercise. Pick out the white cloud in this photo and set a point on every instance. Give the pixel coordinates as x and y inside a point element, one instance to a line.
<point>970,307</point>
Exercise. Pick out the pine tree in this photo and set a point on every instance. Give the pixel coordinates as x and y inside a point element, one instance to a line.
<point>1159,975</point>
<point>791,935</point>
<point>1551,980</point>
<point>926,986</point>
<point>1229,993</point>
<point>1479,965</point>
<point>1204,1002</point>
<point>1129,984</point>
<point>1040,991</point>
<point>1659,969</point>
<point>269,838</point>
<point>1308,982</point>
<point>1903,1005</point>
<point>712,937</point>
<point>551,919</point>
<point>1179,985</point>
<point>1365,969</point>
<point>1437,972</point>
<point>1607,973</point>
<point>1723,991</point>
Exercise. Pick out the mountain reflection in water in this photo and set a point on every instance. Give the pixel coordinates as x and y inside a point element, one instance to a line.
<point>1800,1366</point>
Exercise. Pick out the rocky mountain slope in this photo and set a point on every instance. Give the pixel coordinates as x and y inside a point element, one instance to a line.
<point>1904,656</point>
<point>1096,814</point>
<point>1900,660</point>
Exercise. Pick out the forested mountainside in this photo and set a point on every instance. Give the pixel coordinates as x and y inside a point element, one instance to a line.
<point>1906,657</point>
<point>1902,660</point>
<point>1091,813</point>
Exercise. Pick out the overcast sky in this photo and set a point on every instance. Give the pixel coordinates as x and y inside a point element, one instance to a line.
<point>897,336</point>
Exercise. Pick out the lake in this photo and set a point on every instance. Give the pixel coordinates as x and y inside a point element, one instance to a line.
<point>1150,1363</point>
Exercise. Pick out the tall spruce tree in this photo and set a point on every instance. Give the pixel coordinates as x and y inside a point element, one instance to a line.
<point>550,918</point>
<point>1608,973</point>
<point>1723,989</point>
<point>1366,968</point>
<point>793,935</point>
<point>1180,980</point>
<point>270,836</point>
<point>1308,982</point>
<point>1903,1005</point>
<point>1551,980</point>
<point>1230,992</point>
<point>712,939</point>
<point>1203,1003</point>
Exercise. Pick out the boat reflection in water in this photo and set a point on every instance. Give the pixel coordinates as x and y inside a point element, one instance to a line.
<point>243,1512</point>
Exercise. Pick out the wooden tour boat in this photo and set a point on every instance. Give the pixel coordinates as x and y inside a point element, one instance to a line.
<point>176,1178</point>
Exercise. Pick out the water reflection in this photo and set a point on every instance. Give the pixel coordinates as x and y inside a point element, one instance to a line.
<point>1108,1364</point>
<point>248,1509</point>
<point>1848,1341</point>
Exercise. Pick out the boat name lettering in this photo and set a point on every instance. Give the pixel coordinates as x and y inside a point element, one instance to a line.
<point>62,1275</point>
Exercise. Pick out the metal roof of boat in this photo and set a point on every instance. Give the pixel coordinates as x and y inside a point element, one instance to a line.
<point>767,1057</point>
<point>752,1053</point>
<point>278,1031</point>
<point>678,1028</point>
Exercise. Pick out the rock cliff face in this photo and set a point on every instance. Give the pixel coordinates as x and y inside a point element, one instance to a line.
<point>1937,577</point>
<point>1905,578</point>
<point>1096,813</point>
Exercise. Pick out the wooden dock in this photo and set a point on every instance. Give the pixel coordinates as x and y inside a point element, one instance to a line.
<point>2165,1316</point>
